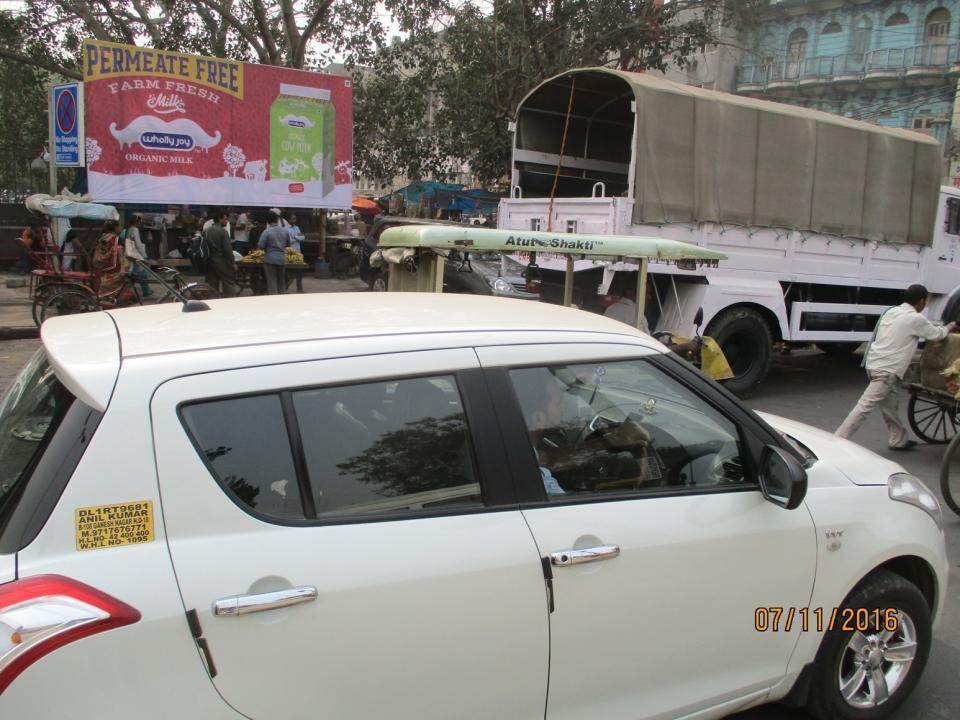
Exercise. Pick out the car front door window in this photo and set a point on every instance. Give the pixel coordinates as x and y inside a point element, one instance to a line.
<point>624,427</point>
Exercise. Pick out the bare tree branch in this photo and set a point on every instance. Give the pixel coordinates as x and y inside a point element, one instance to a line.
<point>48,65</point>
<point>83,11</point>
<point>260,13</point>
<point>151,26</point>
<point>290,28</point>
<point>224,11</point>
<point>300,51</point>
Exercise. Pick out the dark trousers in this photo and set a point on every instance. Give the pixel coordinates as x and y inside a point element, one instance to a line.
<point>222,277</point>
<point>276,276</point>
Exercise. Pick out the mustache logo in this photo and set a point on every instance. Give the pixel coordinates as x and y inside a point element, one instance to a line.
<point>153,133</point>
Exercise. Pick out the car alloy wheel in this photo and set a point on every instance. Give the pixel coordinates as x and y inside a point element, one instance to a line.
<point>874,666</point>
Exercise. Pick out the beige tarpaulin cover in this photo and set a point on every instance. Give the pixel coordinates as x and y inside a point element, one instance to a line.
<point>710,156</point>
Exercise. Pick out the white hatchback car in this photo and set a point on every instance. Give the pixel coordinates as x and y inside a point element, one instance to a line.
<point>422,506</point>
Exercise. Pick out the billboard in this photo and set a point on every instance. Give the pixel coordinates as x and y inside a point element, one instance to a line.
<point>165,127</point>
<point>66,119</point>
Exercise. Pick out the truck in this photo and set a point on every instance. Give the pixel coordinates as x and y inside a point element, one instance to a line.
<point>824,220</point>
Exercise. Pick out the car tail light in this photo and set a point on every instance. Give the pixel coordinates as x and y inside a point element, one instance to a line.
<point>42,613</point>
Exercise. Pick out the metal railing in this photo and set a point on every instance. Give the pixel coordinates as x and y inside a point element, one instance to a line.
<point>827,67</point>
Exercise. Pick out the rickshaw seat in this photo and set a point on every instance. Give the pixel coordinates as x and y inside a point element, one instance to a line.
<point>67,274</point>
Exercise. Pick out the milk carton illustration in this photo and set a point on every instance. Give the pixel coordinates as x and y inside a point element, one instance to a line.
<point>302,122</point>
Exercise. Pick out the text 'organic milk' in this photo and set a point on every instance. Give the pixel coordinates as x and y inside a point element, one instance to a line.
<point>302,123</point>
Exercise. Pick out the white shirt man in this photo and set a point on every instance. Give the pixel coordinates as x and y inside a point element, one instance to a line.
<point>241,233</point>
<point>887,360</point>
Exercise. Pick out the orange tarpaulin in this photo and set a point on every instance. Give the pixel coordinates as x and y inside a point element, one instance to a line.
<point>365,206</point>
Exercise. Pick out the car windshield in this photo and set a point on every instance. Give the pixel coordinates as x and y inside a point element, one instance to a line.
<point>30,410</point>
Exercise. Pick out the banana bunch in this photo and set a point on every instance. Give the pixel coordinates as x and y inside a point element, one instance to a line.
<point>255,256</point>
<point>292,256</point>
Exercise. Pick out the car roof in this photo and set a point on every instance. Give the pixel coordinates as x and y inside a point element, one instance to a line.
<point>86,350</point>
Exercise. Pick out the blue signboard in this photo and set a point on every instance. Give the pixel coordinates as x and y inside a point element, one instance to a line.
<point>66,108</point>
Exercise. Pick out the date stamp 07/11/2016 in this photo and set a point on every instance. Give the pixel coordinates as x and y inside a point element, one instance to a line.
<point>871,620</point>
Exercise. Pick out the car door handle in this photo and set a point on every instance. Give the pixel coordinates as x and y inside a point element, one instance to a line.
<point>246,604</point>
<point>586,555</point>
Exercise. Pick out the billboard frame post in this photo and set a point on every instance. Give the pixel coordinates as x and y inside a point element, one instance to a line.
<point>52,143</point>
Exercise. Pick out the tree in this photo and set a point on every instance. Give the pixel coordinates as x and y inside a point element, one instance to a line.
<point>298,34</point>
<point>482,62</point>
<point>23,112</point>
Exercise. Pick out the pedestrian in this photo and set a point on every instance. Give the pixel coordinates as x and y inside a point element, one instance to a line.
<point>70,249</point>
<point>241,233</point>
<point>109,265</point>
<point>25,247</point>
<point>46,245</point>
<point>136,253</point>
<point>274,241</point>
<point>222,270</point>
<point>213,220</point>
<point>296,236</point>
<point>887,359</point>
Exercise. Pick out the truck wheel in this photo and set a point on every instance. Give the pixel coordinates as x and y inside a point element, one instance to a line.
<point>745,339</point>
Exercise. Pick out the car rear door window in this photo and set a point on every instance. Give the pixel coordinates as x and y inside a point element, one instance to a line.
<point>386,447</point>
<point>624,427</point>
<point>370,449</point>
<point>245,444</point>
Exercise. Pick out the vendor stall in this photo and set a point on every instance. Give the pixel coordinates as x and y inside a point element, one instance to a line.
<point>250,271</point>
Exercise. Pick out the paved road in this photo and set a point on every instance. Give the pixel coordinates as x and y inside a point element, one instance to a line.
<point>819,390</point>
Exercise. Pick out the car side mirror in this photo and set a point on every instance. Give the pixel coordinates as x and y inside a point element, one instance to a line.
<point>783,481</point>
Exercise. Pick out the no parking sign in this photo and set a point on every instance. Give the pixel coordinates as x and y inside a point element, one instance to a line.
<point>66,120</point>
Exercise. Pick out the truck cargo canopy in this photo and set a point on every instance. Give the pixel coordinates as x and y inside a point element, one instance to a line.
<point>705,156</point>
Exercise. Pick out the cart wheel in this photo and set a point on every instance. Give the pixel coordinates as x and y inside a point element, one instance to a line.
<point>37,309</point>
<point>950,486</point>
<point>43,293</point>
<point>932,421</point>
<point>192,291</point>
<point>68,302</point>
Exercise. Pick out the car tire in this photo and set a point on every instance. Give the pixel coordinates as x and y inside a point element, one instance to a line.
<point>745,339</point>
<point>838,660</point>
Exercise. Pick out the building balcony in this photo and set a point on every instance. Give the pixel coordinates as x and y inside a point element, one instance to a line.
<point>893,65</point>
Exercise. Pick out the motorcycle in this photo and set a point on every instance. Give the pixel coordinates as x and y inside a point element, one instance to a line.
<point>703,352</point>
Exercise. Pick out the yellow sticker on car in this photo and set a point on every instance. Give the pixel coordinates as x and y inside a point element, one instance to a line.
<point>106,526</point>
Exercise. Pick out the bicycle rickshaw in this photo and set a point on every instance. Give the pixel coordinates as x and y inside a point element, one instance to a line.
<point>79,298</point>
<point>48,276</point>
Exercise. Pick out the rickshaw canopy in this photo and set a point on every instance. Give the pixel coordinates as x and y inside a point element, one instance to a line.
<point>399,246</point>
<point>474,239</point>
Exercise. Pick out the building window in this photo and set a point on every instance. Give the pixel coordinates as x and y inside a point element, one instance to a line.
<point>797,45</point>
<point>897,19</point>
<point>937,28</point>
<point>923,124</point>
<point>831,29</point>
<point>860,40</point>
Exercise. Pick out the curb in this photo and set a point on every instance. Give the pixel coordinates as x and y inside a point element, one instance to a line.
<point>27,332</point>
